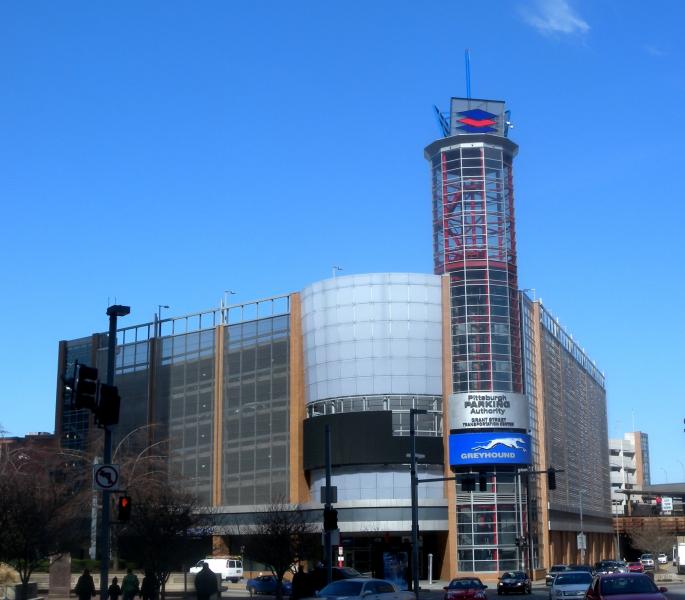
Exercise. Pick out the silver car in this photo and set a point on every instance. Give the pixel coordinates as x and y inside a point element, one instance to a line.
<point>570,584</point>
<point>361,587</point>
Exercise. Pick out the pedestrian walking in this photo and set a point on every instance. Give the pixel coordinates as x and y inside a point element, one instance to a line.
<point>85,588</point>
<point>130,586</point>
<point>299,584</point>
<point>148,589</point>
<point>114,590</point>
<point>205,583</point>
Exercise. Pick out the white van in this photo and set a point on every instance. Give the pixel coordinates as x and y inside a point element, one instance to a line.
<point>230,567</point>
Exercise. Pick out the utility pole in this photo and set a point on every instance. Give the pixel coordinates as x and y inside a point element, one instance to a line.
<point>414,501</point>
<point>114,311</point>
<point>328,559</point>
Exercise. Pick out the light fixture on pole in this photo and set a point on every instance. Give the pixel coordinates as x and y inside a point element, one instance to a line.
<point>158,319</point>
<point>224,306</point>
<point>335,269</point>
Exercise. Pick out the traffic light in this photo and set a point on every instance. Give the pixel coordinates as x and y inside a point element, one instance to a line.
<point>124,508</point>
<point>468,483</point>
<point>330,519</point>
<point>551,478</point>
<point>108,402</point>
<point>85,387</point>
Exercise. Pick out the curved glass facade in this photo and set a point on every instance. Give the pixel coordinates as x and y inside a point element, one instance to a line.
<point>368,335</point>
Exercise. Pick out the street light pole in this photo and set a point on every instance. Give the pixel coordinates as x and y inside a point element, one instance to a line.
<point>114,311</point>
<point>414,501</point>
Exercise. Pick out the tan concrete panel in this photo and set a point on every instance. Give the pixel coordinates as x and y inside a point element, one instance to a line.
<point>299,490</point>
<point>449,563</point>
<point>546,557</point>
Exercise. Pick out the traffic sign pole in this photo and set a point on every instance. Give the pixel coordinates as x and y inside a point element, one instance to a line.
<point>114,311</point>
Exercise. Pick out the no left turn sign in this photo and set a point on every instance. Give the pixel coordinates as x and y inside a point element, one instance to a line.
<point>106,477</point>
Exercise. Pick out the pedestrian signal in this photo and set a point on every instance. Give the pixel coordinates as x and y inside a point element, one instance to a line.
<point>551,478</point>
<point>330,519</point>
<point>124,508</point>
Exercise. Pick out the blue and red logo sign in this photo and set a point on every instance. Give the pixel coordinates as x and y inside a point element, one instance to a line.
<point>477,121</point>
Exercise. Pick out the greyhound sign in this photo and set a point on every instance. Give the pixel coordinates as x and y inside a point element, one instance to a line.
<point>504,447</point>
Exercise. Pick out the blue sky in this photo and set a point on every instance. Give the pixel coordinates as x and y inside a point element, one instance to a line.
<point>163,152</point>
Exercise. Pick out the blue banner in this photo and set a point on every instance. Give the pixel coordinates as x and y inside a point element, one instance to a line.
<point>490,448</point>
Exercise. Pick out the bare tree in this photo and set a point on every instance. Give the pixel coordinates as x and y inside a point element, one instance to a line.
<point>40,502</point>
<point>280,537</point>
<point>652,540</point>
<point>164,526</point>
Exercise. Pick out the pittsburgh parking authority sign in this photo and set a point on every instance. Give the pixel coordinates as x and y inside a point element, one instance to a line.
<point>488,410</point>
<point>106,477</point>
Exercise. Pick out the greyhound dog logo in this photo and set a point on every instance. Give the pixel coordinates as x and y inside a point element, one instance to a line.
<point>509,442</point>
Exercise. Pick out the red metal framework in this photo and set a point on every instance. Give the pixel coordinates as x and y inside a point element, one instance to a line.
<point>474,241</point>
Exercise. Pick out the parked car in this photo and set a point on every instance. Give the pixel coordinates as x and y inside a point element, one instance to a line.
<point>570,584</point>
<point>266,584</point>
<point>629,586</point>
<point>636,567</point>
<point>357,588</point>
<point>465,587</point>
<point>662,559</point>
<point>513,581</point>
<point>554,570</point>
<point>647,561</point>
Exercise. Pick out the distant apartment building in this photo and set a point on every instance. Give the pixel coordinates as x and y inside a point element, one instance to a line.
<point>629,464</point>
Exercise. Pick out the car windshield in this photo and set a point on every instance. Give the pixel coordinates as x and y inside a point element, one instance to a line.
<point>557,568</point>
<point>464,584</point>
<point>627,585</point>
<point>573,579</point>
<point>350,572</point>
<point>646,556</point>
<point>514,575</point>
<point>343,587</point>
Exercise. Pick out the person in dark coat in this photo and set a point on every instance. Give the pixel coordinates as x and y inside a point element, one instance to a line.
<point>114,591</point>
<point>130,586</point>
<point>148,589</point>
<point>85,588</point>
<point>302,584</point>
<point>205,583</point>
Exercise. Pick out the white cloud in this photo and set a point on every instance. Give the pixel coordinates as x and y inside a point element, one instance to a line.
<point>554,16</point>
<point>654,50</point>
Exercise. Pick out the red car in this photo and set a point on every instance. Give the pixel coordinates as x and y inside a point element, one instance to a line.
<point>465,587</point>
<point>636,567</point>
<point>625,586</point>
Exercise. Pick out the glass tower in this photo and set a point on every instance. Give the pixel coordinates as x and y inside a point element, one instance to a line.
<point>474,244</point>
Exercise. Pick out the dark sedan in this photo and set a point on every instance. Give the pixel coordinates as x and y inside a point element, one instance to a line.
<point>513,582</point>
<point>266,584</point>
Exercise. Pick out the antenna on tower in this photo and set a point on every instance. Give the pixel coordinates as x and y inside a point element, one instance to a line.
<point>467,60</point>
